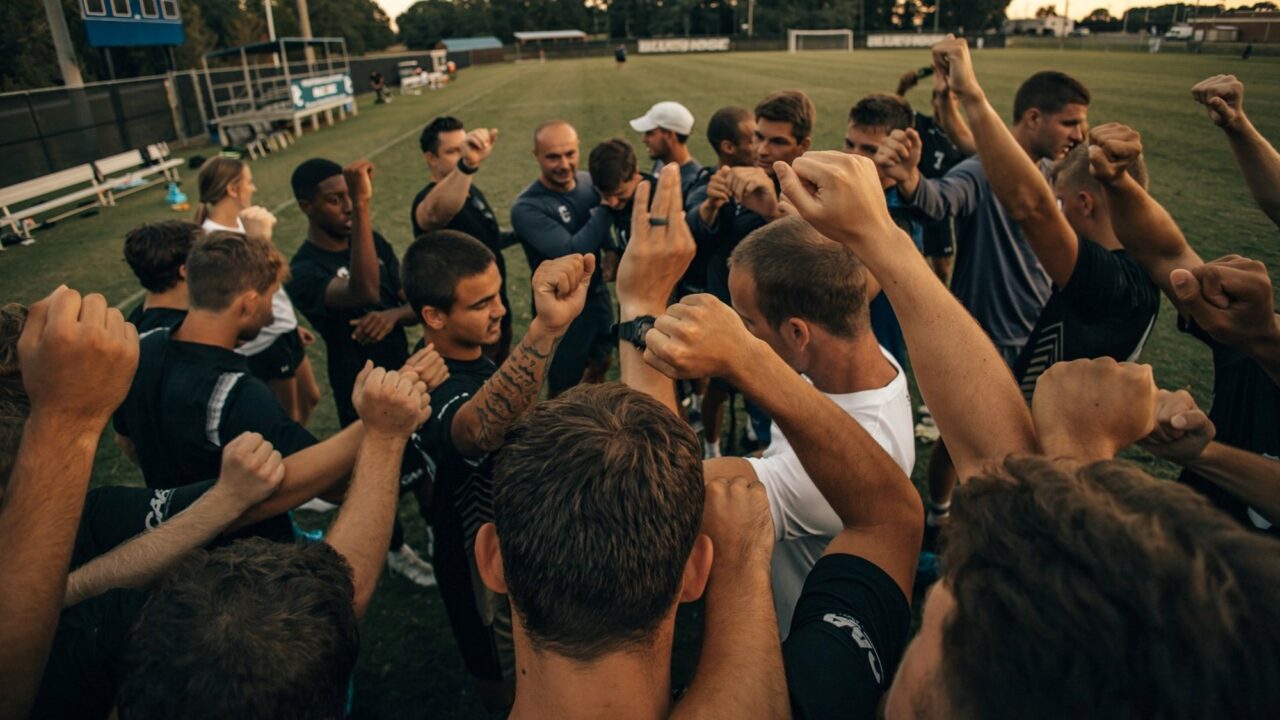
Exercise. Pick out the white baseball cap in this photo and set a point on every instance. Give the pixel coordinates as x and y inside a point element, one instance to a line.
<point>666,115</point>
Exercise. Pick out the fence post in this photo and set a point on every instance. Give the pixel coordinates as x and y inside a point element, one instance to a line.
<point>179,127</point>
<point>35,122</point>
<point>117,108</point>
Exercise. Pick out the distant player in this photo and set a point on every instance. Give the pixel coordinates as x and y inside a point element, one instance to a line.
<point>666,129</point>
<point>157,254</point>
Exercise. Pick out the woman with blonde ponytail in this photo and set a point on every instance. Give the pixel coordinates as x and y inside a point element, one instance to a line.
<point>277,355</point>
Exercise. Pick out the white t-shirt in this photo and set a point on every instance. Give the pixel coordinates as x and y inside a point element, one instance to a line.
<point>803,522</point>
<point>283,319</point>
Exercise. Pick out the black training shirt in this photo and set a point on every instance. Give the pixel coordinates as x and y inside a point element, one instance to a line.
<point>313,268</point>
<point>1107,309</point>
<point>85,662</point>
<point>188,401</point>
<point>476,218</point>
<point>159,317</point>
<point>848,633</point>
<point>1246,414</point>
<point>937,153</point>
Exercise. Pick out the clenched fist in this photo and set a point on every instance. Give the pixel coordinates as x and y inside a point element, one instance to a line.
<point>1230,298</point>
<point>478,145</point>
<point>1112,149</point>
<point>736,518</point>
<point>1091,409</point>
<point>898,156</point>
<point>951,62</point>
<point>390,403</point>
<point>258,222</point>
<point>1223,99</point>
<point>252,469</point>
<point>560,290</point>
<point>701,337</point>
<point>359,177</point>
<point>841,197</point>
<point>1182,430</point>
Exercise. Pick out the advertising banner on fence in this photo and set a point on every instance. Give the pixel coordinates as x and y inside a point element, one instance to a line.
<point>684,45</point>
<point>904,40</point>
<point>310,92</point>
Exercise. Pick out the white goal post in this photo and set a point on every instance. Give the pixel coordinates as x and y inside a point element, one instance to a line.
<point>794,36</point>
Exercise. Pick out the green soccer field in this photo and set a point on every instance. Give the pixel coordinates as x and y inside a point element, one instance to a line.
<point>409,666</point>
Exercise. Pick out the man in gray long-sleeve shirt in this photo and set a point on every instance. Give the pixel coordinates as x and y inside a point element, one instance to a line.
<point>997,275</point>
<point>559,214</point>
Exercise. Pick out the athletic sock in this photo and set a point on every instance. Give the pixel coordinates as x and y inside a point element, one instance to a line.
<point>936,511</point>
<point>710,449</point>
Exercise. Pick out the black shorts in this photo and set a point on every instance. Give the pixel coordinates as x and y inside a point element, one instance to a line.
<point>280,360</point>
<point>940,239</point>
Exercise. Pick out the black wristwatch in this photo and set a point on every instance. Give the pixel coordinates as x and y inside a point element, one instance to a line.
<point>466,169</point>
<point>633,331</point>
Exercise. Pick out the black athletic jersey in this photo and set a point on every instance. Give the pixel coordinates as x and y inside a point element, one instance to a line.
<point>937,153</point>
<point>160,317</point>
<point>1107,309</point>
<point>732,225</point>
<point>476,218</point>
<point>695,277</point>
<point>848,633</point>
<point>187,401</point>
<point>313,268</point>
<point>85,661</point>
<point>1246,414</point>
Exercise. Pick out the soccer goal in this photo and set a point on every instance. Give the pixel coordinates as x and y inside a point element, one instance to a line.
<point>831,40</point>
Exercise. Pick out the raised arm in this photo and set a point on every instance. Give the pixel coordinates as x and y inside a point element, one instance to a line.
<point>559,294</point>
<point>1142,225</point>
<point>946,113</point>
<point>1230,299</point>
<point>549,237</point>
<point>959,371</point>
<point>1223,98</point>
<point>251,471</point>
<point>953,195</point>
<point>360,287</point>
<point>78,358</point>
<point>1015,179</point>
<point>392,405</point>
<point>880,509</point>
<point>449,195</point>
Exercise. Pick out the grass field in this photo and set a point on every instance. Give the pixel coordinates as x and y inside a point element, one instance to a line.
<point>409,666</point>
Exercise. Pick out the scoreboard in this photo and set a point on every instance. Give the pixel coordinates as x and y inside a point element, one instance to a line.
<point>130,23</point>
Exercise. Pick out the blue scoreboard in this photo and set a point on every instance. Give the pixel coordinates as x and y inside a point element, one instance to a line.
<point>129,23</point>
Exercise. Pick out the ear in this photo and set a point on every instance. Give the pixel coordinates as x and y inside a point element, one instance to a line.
<point>804,144</point>
<point>182,272</point>
<point>696,569</point>
<point>434,318</point>
<point>1088,204</point>
<point>795,332</point>
<point>1032,117</point>
<point>304,206</point>
<point>489,559</point>
<point>727,147</point>
<point>244,304</point>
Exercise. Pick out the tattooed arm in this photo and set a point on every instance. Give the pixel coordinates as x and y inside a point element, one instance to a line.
<point>560,291</point>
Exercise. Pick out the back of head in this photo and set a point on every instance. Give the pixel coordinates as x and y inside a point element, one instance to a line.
<point>1048,91</point>
<point>611,163</point>
<point>791,106</point>
<point>216,175</point>
<point>1105,593</point>
<point>307,176</point>
<point>254,630</point>
<point>881,110</point>
<point>157,251</point>
<point>429,141</point>
<point>598,499</point>
<point>1072,172</point>
<point>798,273</point>
<point>436,262</point>
<point>221,265</point>
<point>726,124</point>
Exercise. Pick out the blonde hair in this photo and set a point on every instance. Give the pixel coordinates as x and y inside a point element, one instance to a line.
<point>216,175</point>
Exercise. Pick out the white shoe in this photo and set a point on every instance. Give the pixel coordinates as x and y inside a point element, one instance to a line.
<point>406,563</point>
<point>317,505</point>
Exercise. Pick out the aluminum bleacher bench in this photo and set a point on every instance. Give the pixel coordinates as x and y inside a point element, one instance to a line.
<point>128,172</point>
<point>54,191</point>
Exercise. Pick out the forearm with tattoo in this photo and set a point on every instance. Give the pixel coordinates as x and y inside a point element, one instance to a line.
<point>480,425</point>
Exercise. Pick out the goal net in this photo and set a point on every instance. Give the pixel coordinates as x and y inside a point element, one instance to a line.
<point>798,40</point>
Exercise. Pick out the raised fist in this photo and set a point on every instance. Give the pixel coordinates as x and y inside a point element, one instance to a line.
<point>840,196</point>
<point>1112,149</point>
<point>1091,409</point>
<point>753,189</point>
<point>719,187</point>
<point>1182,430</point>
<point>478,145</point>
<point>657,255</point>
<point>359,177</point>
<point>390,403</point>
<point>252,469</point>
<point>258,222</point>
<point>736,518</point>
<point>951,61</point>
<point>1230,298</point>
<point>428,366</point>
<point>700,337</point>
<point>77,357</point>
<point>560,290</point>
<point>1223,98</point>
<point>898,156</point>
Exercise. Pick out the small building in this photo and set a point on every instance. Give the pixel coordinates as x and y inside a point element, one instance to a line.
<point>1052,26</point>
<point>472,50</point>
<point>547,39</point>
<point>1262,27</point>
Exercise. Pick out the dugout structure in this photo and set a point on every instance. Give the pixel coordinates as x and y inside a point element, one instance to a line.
<point>831,39</point>
<point>255,89</point>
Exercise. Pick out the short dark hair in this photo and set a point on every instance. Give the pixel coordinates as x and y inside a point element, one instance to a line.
<point>598,499</point>
<point>682,138</point>
<point>1072,171</point>
<point>799,273</point>
<point>611,163</point>
<point>881,110</point>
<point>791,106</point>
<point>307,177</point>
<point>726,124</point>
<point>223,264</point>
<point>436,262</point>
<point>429,141</point>
<point>1048,91</point>
<point>255,629</point>
<point>1107,579</point>
<point>156,251</point>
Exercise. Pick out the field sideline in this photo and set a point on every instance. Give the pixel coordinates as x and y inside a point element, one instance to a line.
<point>409,666</point>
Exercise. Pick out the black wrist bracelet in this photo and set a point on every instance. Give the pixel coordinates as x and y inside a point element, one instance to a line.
<point>466,169</point>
